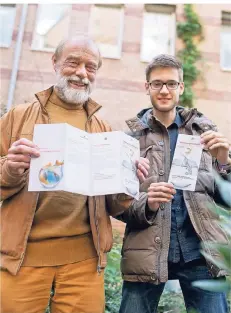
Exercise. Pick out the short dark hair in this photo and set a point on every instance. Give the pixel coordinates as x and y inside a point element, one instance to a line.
<point>164,60</point>
<point>87,39</point>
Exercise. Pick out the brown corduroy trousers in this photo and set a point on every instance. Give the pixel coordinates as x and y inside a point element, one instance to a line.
<point>78,288</point>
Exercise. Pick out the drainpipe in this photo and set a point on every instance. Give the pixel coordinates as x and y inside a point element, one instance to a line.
<point>17,54</point>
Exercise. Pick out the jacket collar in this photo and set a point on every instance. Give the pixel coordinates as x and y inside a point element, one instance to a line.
<point>90,106</point>
<point>145,118</point>
<point>178,120</point>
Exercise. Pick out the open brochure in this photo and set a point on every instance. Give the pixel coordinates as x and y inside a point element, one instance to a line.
<point>186,162</point>
<point>79,162</point>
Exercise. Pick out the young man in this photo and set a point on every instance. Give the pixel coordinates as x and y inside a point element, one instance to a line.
<point>164,230</point>
<point>54,238</point>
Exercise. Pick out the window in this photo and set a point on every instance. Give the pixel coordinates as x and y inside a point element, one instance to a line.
<point>158,34</point>
<point>225,53</point>
<point>106,27</point>
<point>51,27</point>
<point>7,16</point>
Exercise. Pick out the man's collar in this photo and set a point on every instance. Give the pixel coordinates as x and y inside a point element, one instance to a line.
<point>44,95</point>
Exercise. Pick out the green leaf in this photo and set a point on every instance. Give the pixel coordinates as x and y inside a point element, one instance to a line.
<point>189,55</point>
<point>223,213</point>
<point>226,227</point>
<point>213,285</point>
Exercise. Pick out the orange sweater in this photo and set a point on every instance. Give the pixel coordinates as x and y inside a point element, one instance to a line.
<point>61,232</point>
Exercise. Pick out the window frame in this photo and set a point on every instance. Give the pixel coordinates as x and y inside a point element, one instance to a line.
<point>160,9</point>
<point>225,23</point>
<point>118,54</point>
<point>44,49</point>
<point>13,6</point>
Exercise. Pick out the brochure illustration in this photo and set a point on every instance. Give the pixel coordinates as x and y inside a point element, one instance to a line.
<point>186,162</point>
<point>51,174</point>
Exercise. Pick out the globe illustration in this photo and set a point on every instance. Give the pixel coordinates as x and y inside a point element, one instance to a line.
<point>50,175</point>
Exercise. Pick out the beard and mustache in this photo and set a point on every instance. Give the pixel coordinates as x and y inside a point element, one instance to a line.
<point>72,95</point>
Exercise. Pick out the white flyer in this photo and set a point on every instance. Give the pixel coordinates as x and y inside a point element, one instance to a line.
<point>89,164</point>
<point>186,162</point>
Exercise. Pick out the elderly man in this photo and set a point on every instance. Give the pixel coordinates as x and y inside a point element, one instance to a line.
<point>57,239</point>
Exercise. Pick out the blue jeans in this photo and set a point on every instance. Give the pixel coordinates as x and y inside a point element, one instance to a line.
<point>144,297</point>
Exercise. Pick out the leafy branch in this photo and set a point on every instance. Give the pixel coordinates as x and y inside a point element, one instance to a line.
<point>190,31</point>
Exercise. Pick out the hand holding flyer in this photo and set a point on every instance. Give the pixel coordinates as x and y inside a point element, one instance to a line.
<point>89,164</point>
<point>186,162</point>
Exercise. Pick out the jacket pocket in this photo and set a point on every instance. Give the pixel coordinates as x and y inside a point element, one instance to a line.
<point>214,232</point>
<point>205,204</point>
<point>140,252</point>
<point>141,239</point>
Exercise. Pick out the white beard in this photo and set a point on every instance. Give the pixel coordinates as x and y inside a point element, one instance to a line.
<point>71,95</point>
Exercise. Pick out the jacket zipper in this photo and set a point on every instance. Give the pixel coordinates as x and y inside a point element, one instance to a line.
<point>162,214</point>
<point>99,270</point>
<point>167,167</point>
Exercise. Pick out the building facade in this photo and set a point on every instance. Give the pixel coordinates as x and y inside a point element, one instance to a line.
<point>129,35</point>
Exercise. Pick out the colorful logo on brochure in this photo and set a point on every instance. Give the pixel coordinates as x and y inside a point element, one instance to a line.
<point>51,174</point>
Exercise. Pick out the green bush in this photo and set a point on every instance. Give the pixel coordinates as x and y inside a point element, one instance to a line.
<point>171,302</point>
<point>113,280</point>
<point>189,31</point>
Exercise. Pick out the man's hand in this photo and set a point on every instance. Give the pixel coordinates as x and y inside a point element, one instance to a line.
<point>217,145</point>
<point>159,193</point>
<point>20,154</point>
<point>142,169</point>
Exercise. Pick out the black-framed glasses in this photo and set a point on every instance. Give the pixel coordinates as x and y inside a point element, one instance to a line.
<point>158,84</point>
